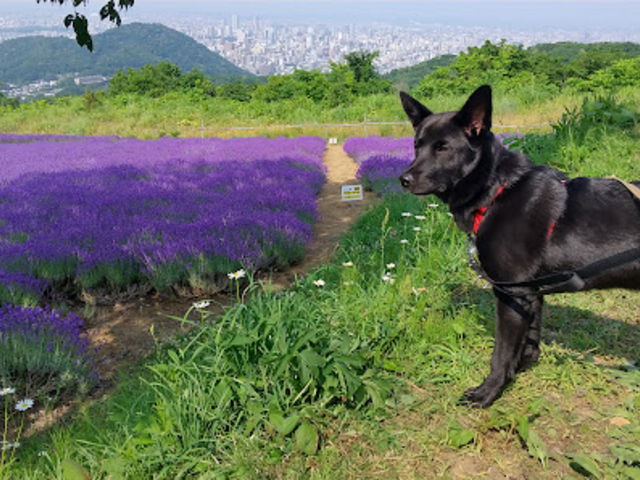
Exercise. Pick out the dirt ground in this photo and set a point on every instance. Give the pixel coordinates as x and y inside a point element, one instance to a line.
<point>127,331</point>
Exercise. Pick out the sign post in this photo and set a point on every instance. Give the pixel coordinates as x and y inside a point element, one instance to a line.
<point>351,193</point>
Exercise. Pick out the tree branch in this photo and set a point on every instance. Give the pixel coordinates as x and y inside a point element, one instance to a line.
<point>111,11</point>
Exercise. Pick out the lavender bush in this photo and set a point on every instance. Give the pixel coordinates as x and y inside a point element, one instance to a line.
<point>44,353</point>
<point>381,161</point>
<point>105,212</point>
<point>19,288</point>
<point>361,148</point>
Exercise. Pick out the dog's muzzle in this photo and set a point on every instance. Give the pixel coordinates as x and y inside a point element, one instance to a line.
<point>406,180</point>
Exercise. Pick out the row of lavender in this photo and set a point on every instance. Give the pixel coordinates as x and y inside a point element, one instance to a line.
<point>108,212</point>
<point>381,160</point>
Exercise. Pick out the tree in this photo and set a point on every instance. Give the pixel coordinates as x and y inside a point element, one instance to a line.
<point>367,80</point>
<point>110,10</point>
<point>361,64</point>
<point>161,79</point>
<point>8,102</point>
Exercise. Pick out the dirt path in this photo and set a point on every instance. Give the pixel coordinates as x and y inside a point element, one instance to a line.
<point>336,216</point>
<point>128,331</point>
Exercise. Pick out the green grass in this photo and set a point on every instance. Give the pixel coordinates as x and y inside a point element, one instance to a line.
<point>178,115</point>
<point>359,375</point>
<point>230,399</point>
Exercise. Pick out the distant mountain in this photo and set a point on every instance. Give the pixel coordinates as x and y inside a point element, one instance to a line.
<point>409,77</point>
<point>28,59</point>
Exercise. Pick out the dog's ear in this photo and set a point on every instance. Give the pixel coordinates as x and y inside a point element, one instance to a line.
<point>475,116</point>
<point>416,111</point>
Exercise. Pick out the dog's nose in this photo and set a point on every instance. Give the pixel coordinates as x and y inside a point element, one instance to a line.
<point>406,179</point>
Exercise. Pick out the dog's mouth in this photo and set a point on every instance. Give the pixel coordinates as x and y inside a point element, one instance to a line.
<point>421,187</point>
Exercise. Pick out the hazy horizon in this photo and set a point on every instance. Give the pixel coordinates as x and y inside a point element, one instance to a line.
<point>521,14</point>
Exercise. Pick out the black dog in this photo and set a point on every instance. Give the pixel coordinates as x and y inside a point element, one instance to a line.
<point>529,221</point>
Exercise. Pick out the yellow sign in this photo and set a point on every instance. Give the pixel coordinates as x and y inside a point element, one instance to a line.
<point>351,193</point>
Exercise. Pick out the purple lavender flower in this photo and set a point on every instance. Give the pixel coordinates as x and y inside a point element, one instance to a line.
<point>381,160</point>
<point>116,211</point>
<point>43,352</point>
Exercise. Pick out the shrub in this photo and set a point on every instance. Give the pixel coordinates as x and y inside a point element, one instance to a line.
<point>44,353</point>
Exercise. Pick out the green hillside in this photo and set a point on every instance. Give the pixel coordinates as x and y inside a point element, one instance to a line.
<point>29,59</point>
<point>569,51</point>
<point>409,77</point>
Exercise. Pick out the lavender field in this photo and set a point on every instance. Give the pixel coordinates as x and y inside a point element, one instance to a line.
<point>82,213</point>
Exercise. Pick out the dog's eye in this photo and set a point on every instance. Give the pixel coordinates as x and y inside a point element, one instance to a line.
<point>440,147</point>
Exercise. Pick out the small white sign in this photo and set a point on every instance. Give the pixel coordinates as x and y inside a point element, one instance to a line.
<point>351,193</point>
<point>333,141</point>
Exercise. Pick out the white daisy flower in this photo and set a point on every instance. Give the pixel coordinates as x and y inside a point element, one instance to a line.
<point>24,405</point>
<point>201,305</point>
<point>319,283</point>
<point>347,264</point>
<point>404,241</point>
<point>416,229</point>
<point>406,214</point>
<point>420,217</point>
<point>433,205</point>
<point>391,265</point>
<point>236,275</point>
<point>7,391</point>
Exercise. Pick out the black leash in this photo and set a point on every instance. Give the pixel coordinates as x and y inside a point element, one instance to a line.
<point>561,282</point>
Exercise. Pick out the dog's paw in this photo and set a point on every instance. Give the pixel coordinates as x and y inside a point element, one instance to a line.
<point>529,357</point>
<point>479,397</point>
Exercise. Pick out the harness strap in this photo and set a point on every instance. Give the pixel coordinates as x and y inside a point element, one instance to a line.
<point>481,211</point>
<point>629,186</point>
<point>561,282</point>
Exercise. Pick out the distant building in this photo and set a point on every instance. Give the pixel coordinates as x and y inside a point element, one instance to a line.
<point>90,80</point>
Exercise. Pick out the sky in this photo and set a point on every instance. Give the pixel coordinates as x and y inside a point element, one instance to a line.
<point>525,14</point>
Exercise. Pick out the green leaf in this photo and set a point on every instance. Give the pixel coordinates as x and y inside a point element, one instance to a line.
<point>523,428</point>
<point>306,439</point>
<point>459,437</point>
<point>115,467</point>
<point>73,471</point>
<point>632,473</point>
<point>241,340</point>
<point>584,465</point>
<point>537,447</point>
<point>313,359</point>
<point>628,454</point>
<point>284,425</point>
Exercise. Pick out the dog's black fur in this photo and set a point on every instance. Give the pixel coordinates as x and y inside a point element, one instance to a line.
<point>459,160</point>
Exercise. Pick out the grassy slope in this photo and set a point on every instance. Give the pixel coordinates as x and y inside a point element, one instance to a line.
<point>175,115</point>
<point>431,330</point>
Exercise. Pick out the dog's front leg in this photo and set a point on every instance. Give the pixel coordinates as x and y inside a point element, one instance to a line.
<point>516,347</point>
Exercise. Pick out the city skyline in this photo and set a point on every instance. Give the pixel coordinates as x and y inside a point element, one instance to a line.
<point>574,14</point>
<point>264,42</point>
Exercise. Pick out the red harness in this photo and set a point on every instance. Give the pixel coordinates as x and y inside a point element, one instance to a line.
<point>481,212</point>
